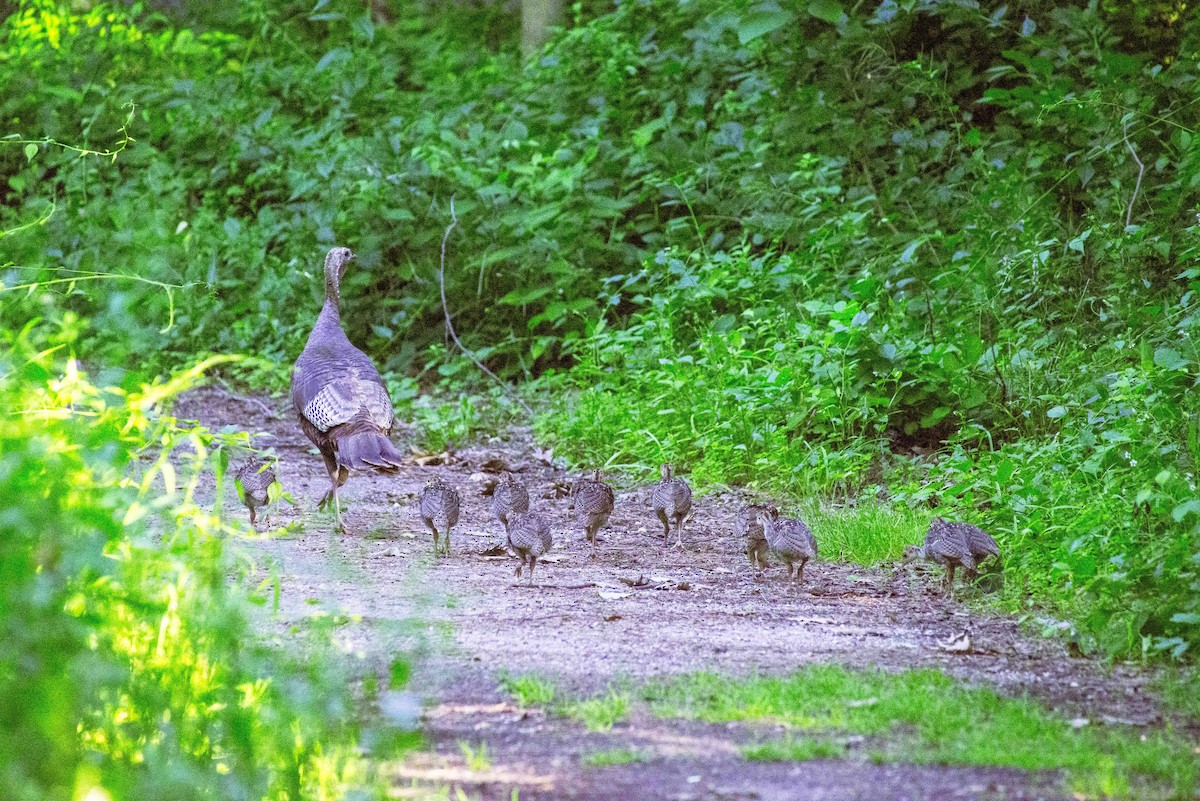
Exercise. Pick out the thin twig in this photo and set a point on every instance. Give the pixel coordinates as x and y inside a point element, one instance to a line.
<point>450,326</point>
<point>525,585</point>
<point>1141,171</point>
<point>267,410</point>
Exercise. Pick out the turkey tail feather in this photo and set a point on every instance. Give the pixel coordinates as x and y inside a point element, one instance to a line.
<point>366,450</point>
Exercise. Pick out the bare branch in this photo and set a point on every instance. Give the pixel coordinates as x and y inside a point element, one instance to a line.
<point>450,326</point>
<point>1141,172</point>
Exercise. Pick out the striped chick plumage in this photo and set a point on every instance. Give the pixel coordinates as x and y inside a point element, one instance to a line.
<point>746,527</point>
<point>510,497</point>
<point>255,478</point>
<point>953,545</point>
<point>529,538</point>
<point>672,502</point>
<point>592,501</point>
<point>790,540</point>
<point>439,505</point>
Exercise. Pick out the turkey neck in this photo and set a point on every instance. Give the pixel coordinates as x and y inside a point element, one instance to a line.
<point>331,312</point>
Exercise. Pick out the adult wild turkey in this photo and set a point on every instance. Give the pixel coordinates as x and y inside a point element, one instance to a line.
<point>343,405</point>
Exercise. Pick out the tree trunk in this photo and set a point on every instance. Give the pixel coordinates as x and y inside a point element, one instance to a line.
<point>537,17</point>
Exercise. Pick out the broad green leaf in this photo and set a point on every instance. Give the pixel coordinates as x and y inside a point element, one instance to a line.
<point>1169,359</point>
<point>1184,509</point>
<point>336,54</point>
<point>30,151</point>
<point>519,297</point>
<point>760,23</point>
<point>1186,617</point>
<point>1057,412</point>
<point>936,416</point>
<point>827,11</point>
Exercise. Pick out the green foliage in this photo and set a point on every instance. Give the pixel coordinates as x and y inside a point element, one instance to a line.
<point>1181,693</point>
<point>928,717</point>
<point>868,532</point>
<point>793,749</point>
<point>600,713</point>
<point>128,669</point>
<point>475,756</point>
<point>529,690</point>
<point>612,756</point>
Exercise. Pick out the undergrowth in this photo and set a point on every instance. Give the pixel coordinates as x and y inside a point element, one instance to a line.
<point>129,665</point>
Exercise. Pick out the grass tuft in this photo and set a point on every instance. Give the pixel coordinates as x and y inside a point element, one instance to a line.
<point>600,713</point>
<point>612,756</point>
<point>866,534</point>
<point>793,749</point>
<point>529,690</point>
<point>476,756</point>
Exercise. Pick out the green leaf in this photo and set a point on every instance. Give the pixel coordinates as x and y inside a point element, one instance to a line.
<point>760,23</point>
<point>1076,244</point>
<point>933,418</point>
<point>519,297</point>
<point>643,134</point>
<point>1057,412</point>
<point>1169,359</point>
<point>827,10</point>
<point>334,55</point>
<point>1184,509</point>
<point>30,151</point>
<point>1186,617</point>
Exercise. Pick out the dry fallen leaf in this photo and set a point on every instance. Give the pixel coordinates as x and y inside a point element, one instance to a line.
<point>559,489</point>
<point>613,595</point>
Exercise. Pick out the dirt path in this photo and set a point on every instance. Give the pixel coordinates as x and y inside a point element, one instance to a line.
<point>466,622</point>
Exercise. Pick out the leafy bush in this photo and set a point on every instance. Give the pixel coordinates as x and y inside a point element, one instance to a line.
<point>127,665</point>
